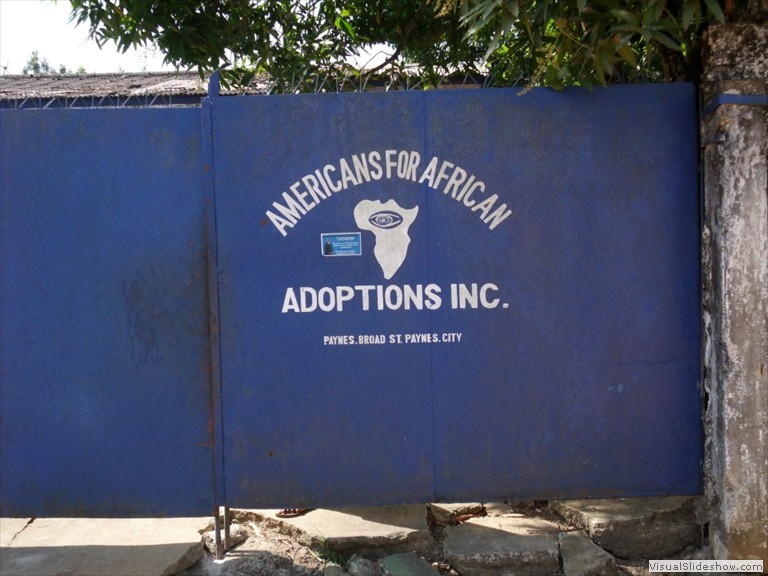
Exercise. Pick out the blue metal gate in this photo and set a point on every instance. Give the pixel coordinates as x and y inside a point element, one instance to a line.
<point>452,295</point>
<point>353,299</point>
<point>104,377</point>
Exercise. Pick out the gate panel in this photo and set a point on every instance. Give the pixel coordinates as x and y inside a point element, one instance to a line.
<point>578,375</point>
<point>527,267</point>
<point>104,388</point>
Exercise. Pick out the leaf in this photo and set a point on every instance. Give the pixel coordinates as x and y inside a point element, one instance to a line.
<point>662,38</point>
<point>493,45</point>
<point>507,21</point>
<point>690,9</point>
<point>479,16</point>
<point>628,17</point>
<point>599,72</point>
<point>344,25</point>
<point>552,79</point>
<point>714,8</point>
<point>603,53</point>
<point>512,8</point>
<point>627,54</point>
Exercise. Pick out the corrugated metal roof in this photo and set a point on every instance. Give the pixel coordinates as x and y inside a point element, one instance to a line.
<point>159,88</point>
<point>122,85</point>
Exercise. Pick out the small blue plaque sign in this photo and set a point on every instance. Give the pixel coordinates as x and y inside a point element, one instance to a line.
<point>341,244</point>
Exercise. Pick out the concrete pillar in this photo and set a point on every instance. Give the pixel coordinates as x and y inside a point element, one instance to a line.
<point>735,288</point>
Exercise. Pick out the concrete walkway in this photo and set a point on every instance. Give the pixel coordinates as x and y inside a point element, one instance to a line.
<point>574,538</point>
<point>99,546</point>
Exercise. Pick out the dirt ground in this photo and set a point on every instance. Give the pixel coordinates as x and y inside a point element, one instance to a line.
<point>265,552</point>
<point>269,552</point>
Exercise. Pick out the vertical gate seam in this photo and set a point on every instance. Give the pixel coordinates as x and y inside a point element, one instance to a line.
<point>216,423</point>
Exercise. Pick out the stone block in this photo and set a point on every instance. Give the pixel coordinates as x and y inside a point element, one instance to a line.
<point>407,564</point>
<point>582,557</point>
<point>652,527</point>
<point>503,546</point>
<point>334,570</point>
<point>373,532</point>
<point>359,566</point>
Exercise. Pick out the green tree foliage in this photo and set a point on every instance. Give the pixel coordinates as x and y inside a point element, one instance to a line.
<point>292,41</point>
<point>558,43</point>
<point>532,42</point>
<point>36,65</point>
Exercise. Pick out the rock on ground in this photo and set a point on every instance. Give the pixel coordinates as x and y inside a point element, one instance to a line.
<point>649,527</point>
<point>496,539</point>
<point>407,564</point>
<point>582,557</point>
<point>503,545</point>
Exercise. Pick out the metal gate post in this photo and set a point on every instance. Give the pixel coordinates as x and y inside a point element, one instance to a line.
<point>217,534</point>
<point>213,317</point>
<point>227,523</point>
<point>222,546</point>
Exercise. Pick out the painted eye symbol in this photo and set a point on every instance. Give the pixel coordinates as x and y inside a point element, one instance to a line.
<point>385,219</point>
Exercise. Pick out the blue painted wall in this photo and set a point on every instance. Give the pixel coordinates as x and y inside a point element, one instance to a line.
<point>416,296</point>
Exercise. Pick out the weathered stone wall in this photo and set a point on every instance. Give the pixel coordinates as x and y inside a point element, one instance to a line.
<point>735,292</point>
